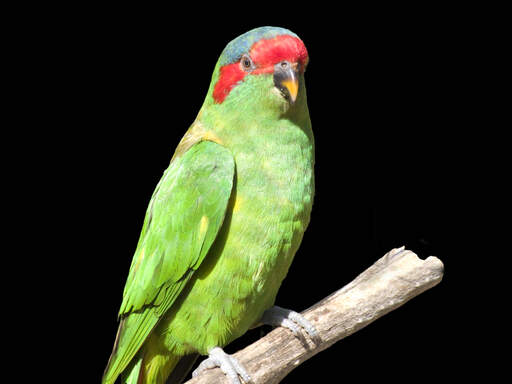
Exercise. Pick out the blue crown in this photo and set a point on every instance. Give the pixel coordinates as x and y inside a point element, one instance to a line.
<point>237,47</point>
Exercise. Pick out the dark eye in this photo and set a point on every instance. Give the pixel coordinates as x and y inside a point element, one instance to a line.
<point>246,63</point>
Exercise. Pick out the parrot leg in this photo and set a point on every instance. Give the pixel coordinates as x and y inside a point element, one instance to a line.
<point>280,317</point>
<point>227,364</point>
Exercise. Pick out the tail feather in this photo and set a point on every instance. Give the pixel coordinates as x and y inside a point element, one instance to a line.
<point>132,333</point>
<point>156,369</point>
<point>152,369</point>
<point>152,364</point>
<point>133,374</point>
<point>108,377</point>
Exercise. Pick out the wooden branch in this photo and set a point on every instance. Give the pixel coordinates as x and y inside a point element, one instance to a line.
<point>393,280</point>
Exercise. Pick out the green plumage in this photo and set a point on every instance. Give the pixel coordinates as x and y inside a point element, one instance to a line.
<point>220,231</point>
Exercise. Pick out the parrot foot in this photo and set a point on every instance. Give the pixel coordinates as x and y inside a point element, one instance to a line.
<point>227,364</point>
<point>292,320</point>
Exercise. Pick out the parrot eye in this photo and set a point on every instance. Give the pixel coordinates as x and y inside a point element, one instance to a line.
<point>246,63</point>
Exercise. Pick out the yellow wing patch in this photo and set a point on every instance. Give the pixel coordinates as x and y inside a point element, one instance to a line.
<point>140,258</point>
<point>203,226</point>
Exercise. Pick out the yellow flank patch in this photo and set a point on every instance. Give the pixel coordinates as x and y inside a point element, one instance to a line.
<point>238,203</point>
<point>203,226</point>
<point>210,136</point>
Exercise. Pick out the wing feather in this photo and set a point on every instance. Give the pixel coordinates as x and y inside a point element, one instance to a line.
<point>183,219</point>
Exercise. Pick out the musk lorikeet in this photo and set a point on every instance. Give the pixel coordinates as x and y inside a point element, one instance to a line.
<point>225,220</point>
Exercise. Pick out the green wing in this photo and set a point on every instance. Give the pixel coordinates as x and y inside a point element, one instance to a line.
<point>182,221</point>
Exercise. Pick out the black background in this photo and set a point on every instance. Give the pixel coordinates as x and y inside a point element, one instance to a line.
<point>387,94</point>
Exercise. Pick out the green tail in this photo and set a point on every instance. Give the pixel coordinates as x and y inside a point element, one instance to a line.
<point>151,367</point>
<point>127,344</point>
<point>132,373</point>
<point>151,364</point>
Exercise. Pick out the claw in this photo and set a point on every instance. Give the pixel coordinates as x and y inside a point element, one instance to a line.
<point>278,316</point>
<point>227,364</point>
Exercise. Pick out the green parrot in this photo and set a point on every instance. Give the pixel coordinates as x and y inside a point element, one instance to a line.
<point>225,220</point>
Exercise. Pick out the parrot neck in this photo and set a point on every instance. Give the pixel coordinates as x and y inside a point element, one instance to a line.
<point>260,127</point>
<point>254,105</point>
<point>262,131</point>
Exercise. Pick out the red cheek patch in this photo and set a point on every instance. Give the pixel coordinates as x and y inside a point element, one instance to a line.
<point>229,76</point>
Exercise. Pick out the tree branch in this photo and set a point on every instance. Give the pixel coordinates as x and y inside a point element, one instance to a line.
<point>393,280</point>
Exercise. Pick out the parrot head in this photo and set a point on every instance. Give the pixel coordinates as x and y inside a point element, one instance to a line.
<point>263,65</point>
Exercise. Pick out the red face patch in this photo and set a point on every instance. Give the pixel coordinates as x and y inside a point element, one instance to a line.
<point>265,54</point>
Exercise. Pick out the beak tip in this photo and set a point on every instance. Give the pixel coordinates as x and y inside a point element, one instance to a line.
<point>292,86</point>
